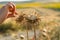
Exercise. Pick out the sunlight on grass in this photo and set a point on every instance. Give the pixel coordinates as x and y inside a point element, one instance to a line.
<point>37,4</point>
<point>52,5</point>
<point>49,21</point>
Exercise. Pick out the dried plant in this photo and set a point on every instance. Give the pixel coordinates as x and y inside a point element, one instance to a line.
<point>28,19</point>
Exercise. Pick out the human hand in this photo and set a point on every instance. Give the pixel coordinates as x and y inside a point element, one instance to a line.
<point>12,10</point>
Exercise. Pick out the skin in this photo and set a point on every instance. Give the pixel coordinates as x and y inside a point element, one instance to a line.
<point>7,11</point>
<point>12,10</point>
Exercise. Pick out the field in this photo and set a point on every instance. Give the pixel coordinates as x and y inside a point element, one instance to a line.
<point>49,25</point>
<point>37,4</point>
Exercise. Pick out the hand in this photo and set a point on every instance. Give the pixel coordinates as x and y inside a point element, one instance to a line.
<point>12,10</point>
<point>12,15</point>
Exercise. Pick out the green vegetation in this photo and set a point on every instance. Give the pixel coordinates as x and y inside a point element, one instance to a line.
<point>5,27</point>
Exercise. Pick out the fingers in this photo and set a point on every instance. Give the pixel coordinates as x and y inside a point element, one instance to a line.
<point>14,8</point>
<point>9,5</point>
<point>10,15</point>
<point>16,13</point>
<point>13,11</point>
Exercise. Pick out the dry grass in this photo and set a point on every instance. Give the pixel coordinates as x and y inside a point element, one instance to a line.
<point>49,21</point>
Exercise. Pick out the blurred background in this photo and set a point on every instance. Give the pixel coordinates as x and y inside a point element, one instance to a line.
<point>47,13</point>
